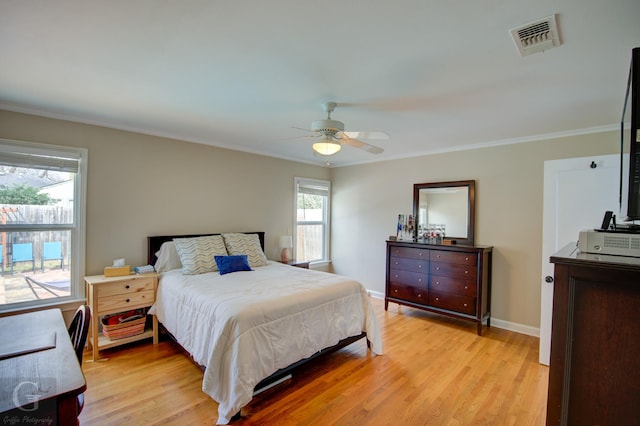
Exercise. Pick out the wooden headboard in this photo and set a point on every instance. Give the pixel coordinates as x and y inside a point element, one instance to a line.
<point>154,243</point>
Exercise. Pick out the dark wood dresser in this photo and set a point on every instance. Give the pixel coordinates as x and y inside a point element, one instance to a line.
<point>453,280</point>
<point>594,373</point>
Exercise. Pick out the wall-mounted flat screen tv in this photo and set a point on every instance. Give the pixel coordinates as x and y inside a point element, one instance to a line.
<point>631,114</point>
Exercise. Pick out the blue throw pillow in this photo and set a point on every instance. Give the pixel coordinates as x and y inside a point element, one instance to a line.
<point>228,264</point>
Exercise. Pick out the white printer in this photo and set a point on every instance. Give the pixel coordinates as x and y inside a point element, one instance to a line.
<point>618,243</point>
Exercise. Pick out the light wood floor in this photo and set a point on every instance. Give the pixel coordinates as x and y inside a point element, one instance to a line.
<point>434,371</point>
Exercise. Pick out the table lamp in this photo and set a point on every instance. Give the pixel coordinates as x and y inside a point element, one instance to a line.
<point>285,243</point>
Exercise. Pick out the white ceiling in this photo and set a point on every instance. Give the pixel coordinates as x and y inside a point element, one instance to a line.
<point>435,75</point>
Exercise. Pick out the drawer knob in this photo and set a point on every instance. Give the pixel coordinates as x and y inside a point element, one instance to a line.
<point>128,300</point>
<point>395,290</point>
<point>396,276</point>
<point>419,266</point>
<point>127,286</point>
<point>438,256</point>
<point>466,287</point>
<point>437,268</point>
<point>396,262</point>
<point>420,254</point>
<point>465,305</point>
<point>437,299</point>
<point>466,258</point>
<point>466,272</point>
<point>419,280</point>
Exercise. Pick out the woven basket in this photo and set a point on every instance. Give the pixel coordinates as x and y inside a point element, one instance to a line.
<point>124,329</point>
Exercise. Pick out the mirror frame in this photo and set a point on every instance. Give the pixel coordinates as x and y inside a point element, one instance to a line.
<point>471,208</point>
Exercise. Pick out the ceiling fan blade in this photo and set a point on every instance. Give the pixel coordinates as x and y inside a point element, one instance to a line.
<point>304,130</point>
<point>367,135</point>
<point>360,145</point>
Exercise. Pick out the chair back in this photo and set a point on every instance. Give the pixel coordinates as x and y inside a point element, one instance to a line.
<point>79,329</point>
<point>22,252</point>
<point>52,250</point>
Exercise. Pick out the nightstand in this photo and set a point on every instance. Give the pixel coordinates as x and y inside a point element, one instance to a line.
<point>109,295</point>
<point>298,264</point>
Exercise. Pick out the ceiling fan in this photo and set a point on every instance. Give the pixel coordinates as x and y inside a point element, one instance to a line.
<point>331,135</point>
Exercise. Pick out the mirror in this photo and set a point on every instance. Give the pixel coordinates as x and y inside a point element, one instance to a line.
<point>450,204</point>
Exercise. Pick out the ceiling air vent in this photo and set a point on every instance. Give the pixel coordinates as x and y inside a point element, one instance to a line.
<point>536,36</point>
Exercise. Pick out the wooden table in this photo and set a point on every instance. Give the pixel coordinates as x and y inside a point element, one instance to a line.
<point>40,377</point>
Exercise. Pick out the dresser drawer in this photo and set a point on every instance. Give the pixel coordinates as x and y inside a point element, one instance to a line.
<point>126,286</point>
<point>458,286</point>
<point>453,270</point>
<point>408,293</point>
<point>124,302</point>
<point>416,279</point>
<point>453,257</point>
<point>452,302</point>
<point>407,264</point>
<point>411,253</point>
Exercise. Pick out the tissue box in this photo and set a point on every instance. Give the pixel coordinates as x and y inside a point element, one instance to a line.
<point>116,271</point>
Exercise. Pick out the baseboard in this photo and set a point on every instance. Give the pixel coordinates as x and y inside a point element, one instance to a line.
<point>376,294</point>
<point>495,322</point>
<point>513,326</point>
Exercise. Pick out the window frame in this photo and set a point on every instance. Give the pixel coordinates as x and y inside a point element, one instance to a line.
<point>326,222</point>
<point>77,228</point>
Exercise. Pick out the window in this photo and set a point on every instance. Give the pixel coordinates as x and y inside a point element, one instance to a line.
<point>312,200</point>
<point>42,196</point>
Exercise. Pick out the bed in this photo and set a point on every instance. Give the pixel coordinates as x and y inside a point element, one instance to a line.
<point>249,324</point>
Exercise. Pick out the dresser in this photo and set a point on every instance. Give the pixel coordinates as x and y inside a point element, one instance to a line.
<point>453,280</point>
<point>594,370</point>
<point>109,295</point>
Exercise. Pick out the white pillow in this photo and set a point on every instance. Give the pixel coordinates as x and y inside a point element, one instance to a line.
<point>248,244</point>
<point>168,258</point>
<point>197,254</point>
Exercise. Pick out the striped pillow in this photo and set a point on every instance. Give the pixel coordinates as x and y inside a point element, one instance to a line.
<point>248,244</point>
<point>197,254</point>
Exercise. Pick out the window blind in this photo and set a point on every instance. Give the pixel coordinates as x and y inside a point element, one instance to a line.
<point>59,163</point>
<point>312,187</point>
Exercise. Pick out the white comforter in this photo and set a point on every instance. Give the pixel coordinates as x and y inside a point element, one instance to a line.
<point>244,326</point>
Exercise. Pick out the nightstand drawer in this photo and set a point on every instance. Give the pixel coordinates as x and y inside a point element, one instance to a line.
<point>126,286</point>
<point>123,302</point>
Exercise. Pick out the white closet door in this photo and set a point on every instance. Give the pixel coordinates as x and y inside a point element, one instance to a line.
<point>576,196</point>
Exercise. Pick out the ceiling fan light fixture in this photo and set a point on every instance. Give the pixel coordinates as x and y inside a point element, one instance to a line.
<point>326,146</point>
